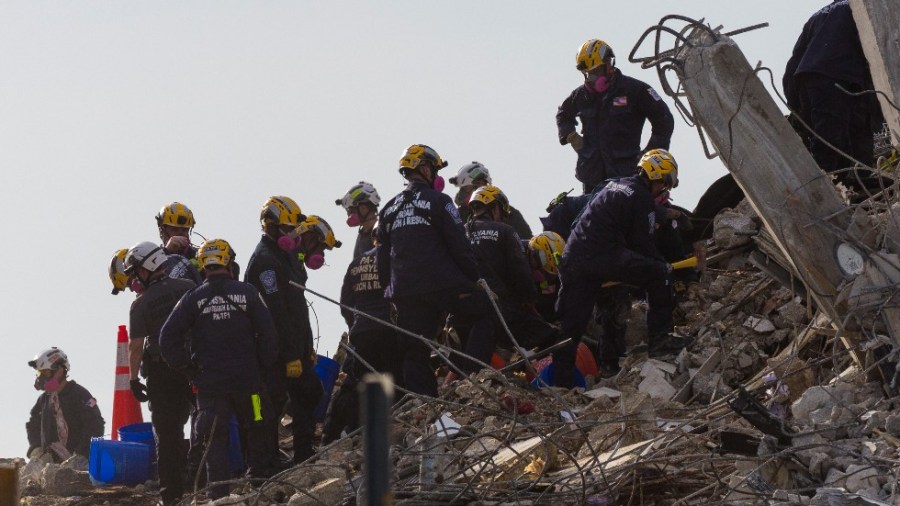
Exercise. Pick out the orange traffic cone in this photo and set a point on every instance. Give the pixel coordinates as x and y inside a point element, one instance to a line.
<point>126,409</point>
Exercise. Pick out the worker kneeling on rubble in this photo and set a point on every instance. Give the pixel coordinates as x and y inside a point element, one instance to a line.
<point>65,416</point>
<point>429,268</point>
<point>232,337</point>
<point>612,241</point>
<point>505,268</point>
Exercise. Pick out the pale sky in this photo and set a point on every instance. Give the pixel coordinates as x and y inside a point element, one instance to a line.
<point>110,109</point>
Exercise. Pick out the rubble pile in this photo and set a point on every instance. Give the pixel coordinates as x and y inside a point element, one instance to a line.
<point>765,407</point>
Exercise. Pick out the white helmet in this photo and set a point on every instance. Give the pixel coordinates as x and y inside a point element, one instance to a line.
<point>53,359</point>
<point>469,173</point>
<point>144,254</point>
<point>361,192</point>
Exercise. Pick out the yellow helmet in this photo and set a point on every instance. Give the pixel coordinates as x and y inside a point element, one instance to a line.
<point>488,195</point>
<point>592,54</point>
<point>280,210</point>
<point>117,271</point>
<point>418,153</point>
<point>215,252</point>
<point>659,164</point>
<point>548,248</point>
<point>175,214</point>
<point>313,223</point>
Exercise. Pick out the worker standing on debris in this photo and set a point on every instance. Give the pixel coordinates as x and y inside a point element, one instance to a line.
<point>504,266</point>
<point>472,176</point>
<point>544,253</point>
<point>272,267</point>
<point>612,241</point>
<point>65,416</point>
<point>612,109</point>
<point>374,342</point>
<point>361,204</point>
<point>828,54</point>
<point>428,268</point>
<point>232,339</point>
<point>167,390</point>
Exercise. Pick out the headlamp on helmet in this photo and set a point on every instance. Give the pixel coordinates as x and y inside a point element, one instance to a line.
<point>417,154</point>
<point>321,228</point>
<point>593,54</point>
<point>175,214</point>
<point>144,255</point>
<point>469,173</point>
<point>215,252</point>
<point>659,165</point>
<point>117,271</point>
<point>547,248</point>
<point>280,210</point>
<point>488,196</point>
<point>360,193</point>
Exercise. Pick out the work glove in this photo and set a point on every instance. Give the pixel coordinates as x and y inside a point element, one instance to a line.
<point>35,452</point>
<point>139,390</point>
<point>294,368</point>
<point>575,140</point>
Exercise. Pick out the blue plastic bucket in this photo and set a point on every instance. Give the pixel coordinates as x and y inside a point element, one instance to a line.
<point>327,370</point>
<point>548,377</point>
<point>118,462</point>
<point>140,433</point>
<point>235,456</point>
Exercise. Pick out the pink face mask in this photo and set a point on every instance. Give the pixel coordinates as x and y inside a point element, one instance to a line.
<point>47,385</point>
<point>600,84</point>
<point>315,262</point>
<point>662,198</point>
<point>353,220</point>
<point>438,184</point>
<point>289,243</point>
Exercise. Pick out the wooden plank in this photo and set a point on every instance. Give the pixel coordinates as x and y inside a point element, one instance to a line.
<point>877,22</point>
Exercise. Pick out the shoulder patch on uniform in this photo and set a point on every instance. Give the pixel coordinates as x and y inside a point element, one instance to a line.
<point>269,281</point>
<point>654,94</point>
<point>91,402</point>
<point>454,212</point>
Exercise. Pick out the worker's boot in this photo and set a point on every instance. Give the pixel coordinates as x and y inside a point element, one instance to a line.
<point>665,344</point>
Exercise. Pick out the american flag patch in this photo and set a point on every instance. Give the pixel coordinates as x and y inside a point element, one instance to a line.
<point>620,101</point>
<point>91,403</point>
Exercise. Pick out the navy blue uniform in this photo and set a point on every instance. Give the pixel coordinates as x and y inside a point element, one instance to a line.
<point>271,270</point>
<point>80,411</point>
<point>829,52</point>
<point>376,343</point>
<point>169,391</point>
<point>179,267</point>
<point>505,268</point>
<point>428,267</point>
<point>611,124</point>
<point>611,241</point>
<point>231,339</point>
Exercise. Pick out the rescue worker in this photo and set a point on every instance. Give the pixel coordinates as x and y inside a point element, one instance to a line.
<point>612,241</point>
<point>828,53</point>
<point>117,276</point>
<point>375,343</point>
<point>361,204</point>
<point>503,264</point>
<point>222,336</point>
<point>65,416</point>
<point>273,265</point>
<point>167,390</point>
<point>612,109</point>
<point>427,267</point>
<point>544,253</point>
<point>472,176</point>
<point>175,222</point>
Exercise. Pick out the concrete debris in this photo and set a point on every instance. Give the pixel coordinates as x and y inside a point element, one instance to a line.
<point>732,229</point>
